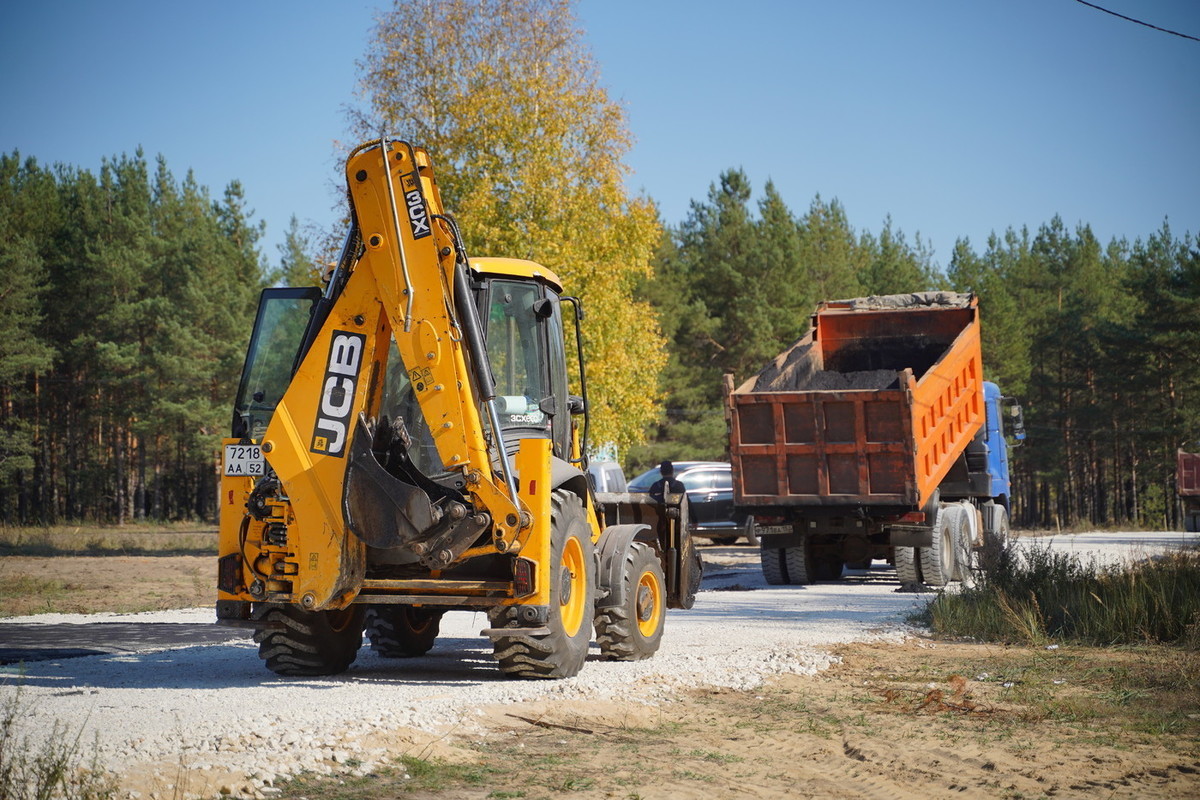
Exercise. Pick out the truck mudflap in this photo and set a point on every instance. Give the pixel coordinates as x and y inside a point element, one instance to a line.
<point>662,526</point>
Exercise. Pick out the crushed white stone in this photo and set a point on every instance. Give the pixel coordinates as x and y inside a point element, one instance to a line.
<point>217,707</point>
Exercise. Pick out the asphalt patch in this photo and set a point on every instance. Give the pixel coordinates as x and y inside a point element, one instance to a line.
<point>28,643</point>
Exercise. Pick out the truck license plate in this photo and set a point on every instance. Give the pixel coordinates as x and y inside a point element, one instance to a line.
<point>243,459</point>
<point>774,530</point>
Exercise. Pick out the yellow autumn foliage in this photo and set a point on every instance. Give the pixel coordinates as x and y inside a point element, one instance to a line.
<point>529,150</point>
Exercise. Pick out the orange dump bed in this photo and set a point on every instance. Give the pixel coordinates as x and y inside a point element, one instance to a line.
<point>871,407</point>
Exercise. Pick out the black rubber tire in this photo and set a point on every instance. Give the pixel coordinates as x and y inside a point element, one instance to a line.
<point>312,642</point>
<point>802,567</point>
<point>633,630</point>
<point>828,568</point>
<point>724,541</point>
<point>774,568</point>
<point>996,541</point>
<point>572,570</point>
<point>398,631</point>
<point>908,565</point>
<point>783,566</point>
<point>937,560</point>
<point>966,557</point>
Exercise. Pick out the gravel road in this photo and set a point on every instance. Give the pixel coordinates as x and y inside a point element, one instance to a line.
<point>217,709</point>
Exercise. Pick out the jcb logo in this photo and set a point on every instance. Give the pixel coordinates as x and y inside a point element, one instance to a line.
<point>337,393</point>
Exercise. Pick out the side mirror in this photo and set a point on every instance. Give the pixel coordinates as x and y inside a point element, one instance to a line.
<point>1017,418</point>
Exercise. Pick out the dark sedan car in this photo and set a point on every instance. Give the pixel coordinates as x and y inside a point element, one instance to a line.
<point>709,486</point>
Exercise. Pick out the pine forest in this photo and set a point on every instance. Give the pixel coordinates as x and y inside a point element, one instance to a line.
<point>129,295</point>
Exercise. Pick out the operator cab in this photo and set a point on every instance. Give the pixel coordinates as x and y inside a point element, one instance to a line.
<point>521,310</point>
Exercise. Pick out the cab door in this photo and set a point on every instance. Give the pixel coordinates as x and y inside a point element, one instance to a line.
<point>524,332</point>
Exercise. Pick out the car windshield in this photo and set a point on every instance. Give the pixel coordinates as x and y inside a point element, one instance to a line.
<point>697,480</point>
<point>643,482</point>
<point>698,477</point>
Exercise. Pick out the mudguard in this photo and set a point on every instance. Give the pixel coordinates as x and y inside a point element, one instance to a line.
<point>614,544</point>
<point>664,526</point>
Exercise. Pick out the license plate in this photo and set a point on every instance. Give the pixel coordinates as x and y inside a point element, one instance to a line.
<point>773,530</point>
<point>244,459</point>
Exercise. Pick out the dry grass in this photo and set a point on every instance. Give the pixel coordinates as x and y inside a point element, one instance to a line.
<point>925,719</point>
<point>174,539</point>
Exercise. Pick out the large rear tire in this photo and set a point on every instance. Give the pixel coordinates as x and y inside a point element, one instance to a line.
<point>937,560</point>
<point>788,565</point>
<point>309,642</point>
<point>773,567</point>
<point>966,557</point>
<point>803,567</point>
<point>633,630</point>
<point>908,565</point>
<point>828,568</point>
<point>572,574</point>
<point>399,631</point>
<point>996,538</point>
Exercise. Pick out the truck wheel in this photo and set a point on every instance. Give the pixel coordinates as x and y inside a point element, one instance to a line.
<point>634,629</point>
<point>995,538</point>
<point>966,558</point>
<point>937,560</point>
<point>786,565</point>
<point>908,565</point>
<point>310,642</point>
<point>828,568</point>
<point>773,567</point>
<point>402,631</point>
<point>572,575</point>
<point>802,567</point>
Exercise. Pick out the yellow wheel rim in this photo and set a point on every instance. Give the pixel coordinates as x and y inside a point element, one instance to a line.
<point>649,599</point>
<point>573,589</point>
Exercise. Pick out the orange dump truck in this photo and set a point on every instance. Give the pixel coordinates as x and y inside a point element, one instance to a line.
<point>874,437</point>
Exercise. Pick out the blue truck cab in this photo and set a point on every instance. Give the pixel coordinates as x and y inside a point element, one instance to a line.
<point>982,473</point>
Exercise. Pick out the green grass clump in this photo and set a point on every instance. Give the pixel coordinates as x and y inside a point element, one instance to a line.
<point>1037,595</point>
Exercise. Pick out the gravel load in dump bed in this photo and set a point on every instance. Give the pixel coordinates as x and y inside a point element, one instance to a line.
<point>911,300</point>
<point>798,370</point>
<point>217,714</point>
<point>828,381</point>
<point>869,366</point>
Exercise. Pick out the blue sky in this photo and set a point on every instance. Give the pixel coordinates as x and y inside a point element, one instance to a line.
<point>957,118</point>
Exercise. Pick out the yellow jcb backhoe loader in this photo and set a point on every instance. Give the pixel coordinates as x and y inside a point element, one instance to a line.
<point>404,444</point>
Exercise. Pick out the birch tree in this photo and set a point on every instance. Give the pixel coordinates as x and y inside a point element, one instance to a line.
<point>528,149</point>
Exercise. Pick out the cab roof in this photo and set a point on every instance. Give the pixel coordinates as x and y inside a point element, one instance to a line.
<point>516,268</point>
